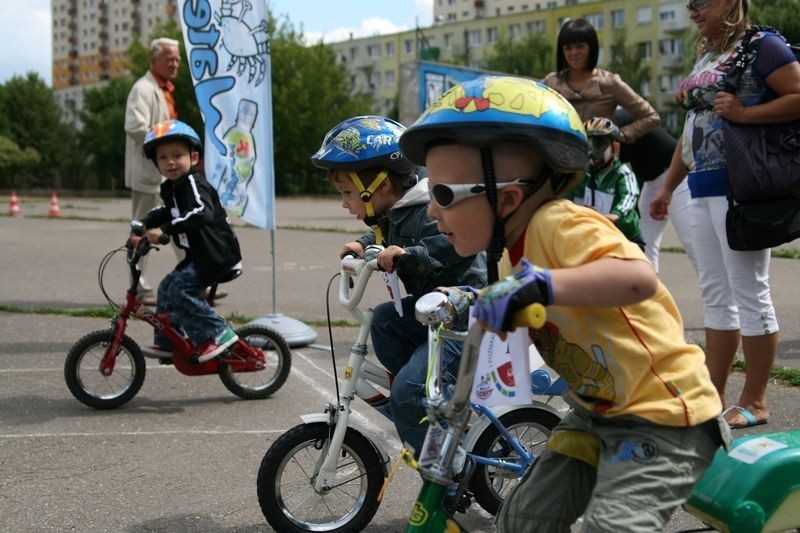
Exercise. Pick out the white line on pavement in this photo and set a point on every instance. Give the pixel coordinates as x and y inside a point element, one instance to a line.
<point>143,433</point>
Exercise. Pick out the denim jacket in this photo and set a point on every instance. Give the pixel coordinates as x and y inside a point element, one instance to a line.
<point>430,260</point>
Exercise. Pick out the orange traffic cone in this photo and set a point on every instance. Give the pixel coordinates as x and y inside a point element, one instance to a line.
<point>55,210</point>
<point>14,209</point>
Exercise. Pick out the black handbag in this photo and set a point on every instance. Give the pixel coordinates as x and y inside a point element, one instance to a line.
<point>763,160</point>
<point>760,225</point>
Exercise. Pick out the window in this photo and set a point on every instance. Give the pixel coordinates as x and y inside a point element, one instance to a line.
<point>389,77</point>
<point>514,32</point>
<point>491,35</point>
<point>670,47</point>
<point>645,89</point>
<point>644,16</point>
<point>353,53</point>
<point>670,120</point>
<point>448,40</point>
<point>389,49</point>
<point>596,20</point>
<point>669,83</point>
<point>374,50</point>
<point>618,18</point>
<point>536,27</point>
<point>408,47</point>
<point>645,50</point>
<point>375,79</point>
<point>474,37</point>
<point>451,16</point>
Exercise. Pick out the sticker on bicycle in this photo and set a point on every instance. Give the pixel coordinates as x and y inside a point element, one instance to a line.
<point>432,445</point>
<point>393,286</point>
<point>503,374</point>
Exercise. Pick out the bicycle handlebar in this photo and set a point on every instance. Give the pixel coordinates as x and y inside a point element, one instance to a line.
<point>355,274</point>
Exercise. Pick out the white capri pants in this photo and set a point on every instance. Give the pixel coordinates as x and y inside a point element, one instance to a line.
<point>679,214</point>
<point>734,285</point>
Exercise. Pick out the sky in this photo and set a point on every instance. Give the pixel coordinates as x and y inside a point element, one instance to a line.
<point>26,41</point>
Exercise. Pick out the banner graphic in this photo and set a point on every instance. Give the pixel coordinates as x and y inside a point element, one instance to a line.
<point>227,46</point>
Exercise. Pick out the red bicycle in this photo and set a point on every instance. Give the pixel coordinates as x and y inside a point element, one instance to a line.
<point>106,368</point>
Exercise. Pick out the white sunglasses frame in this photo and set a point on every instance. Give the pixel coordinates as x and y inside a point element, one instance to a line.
<point>462,191</point>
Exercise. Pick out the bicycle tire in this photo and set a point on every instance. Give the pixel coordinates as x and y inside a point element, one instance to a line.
<point>261,384</point>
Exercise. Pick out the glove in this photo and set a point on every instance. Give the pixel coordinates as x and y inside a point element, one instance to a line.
<point>498,302</point>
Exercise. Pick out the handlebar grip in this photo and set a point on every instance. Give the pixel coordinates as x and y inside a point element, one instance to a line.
<point>163,239</point>
<point>533,316</point>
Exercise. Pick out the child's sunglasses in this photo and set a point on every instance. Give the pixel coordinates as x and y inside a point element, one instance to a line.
<point>697,5</point>
<point>444,195</point>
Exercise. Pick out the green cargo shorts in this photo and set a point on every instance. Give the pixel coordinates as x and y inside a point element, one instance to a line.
<point>621,474</point>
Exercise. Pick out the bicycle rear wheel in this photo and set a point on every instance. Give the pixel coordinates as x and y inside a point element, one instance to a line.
<point>531,427</point>
<point>259,384</point>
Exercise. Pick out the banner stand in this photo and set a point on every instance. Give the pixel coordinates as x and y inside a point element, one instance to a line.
<point>295,333</point>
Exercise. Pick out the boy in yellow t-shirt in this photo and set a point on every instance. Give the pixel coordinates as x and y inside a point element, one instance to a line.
<point>646,421</point>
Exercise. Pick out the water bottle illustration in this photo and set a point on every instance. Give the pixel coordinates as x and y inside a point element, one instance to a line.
<point>241,159</point>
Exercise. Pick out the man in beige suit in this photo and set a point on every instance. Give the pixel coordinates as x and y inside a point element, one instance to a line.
<point>149,102</point>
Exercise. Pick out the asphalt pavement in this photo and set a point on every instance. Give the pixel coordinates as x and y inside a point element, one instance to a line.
<point>184,453</point>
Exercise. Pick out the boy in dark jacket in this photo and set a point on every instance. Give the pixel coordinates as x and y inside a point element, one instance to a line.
<point>193,216</point>
<point>379,186</point>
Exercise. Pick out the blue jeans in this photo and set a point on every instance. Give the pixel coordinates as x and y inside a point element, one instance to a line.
<point>181,293</point>
<point>395,338</point>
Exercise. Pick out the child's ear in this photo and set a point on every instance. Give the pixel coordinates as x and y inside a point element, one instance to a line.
<point>508,200</point>
<point>195,158</point>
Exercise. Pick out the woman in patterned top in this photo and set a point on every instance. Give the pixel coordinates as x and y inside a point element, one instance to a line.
<point>735,285</point>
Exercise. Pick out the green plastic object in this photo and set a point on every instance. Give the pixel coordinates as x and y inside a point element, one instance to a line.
<point>754,487</point>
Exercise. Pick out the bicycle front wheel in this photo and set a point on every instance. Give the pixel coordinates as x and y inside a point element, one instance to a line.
<point>531,427</point>
<point>89,385</point>
<point>286,482</point>
<point>260,384</point>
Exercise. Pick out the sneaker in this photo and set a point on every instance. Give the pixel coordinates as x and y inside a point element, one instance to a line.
<point>156,351</point>
<point>219,344</point>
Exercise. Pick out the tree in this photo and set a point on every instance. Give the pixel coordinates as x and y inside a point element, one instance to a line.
<point>103,133</point>
<point>33,120</point>
<point>534,56</point>
<point>310,94</point>
<point>16,164</point>
<point>626,60</point>
<point>783,14</point>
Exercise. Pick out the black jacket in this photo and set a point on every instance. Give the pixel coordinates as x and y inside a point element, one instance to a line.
<point>193,216</point>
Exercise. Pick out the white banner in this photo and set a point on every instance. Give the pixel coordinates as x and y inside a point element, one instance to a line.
<point>503,376</point>
<point>227,46</point>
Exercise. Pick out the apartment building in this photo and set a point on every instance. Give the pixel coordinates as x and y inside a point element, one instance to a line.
<point>91,40</point>
<point>659,28</point>
<point>454,10</point>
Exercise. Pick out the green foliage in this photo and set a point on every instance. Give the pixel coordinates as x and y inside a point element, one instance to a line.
<point>103,133</point>
<point>33,120</point>
<point>783,14</point>
<point>310,95</point>
<point>533,56</point>
<point>626,60</point>
<point>16,164</point>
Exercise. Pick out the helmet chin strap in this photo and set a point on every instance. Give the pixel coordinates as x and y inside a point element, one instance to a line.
<point>366,193</point>
<point>498,242</point>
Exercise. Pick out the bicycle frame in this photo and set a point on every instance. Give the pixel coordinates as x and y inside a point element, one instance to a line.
<point>185,355</point>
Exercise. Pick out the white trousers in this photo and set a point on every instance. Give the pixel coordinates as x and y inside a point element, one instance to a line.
<point>679,214</point>
<point>734,285</point>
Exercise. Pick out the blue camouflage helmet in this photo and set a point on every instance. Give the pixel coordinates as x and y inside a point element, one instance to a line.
<point>491,109</point>
<point>363,142</point>
<point>170,130</point>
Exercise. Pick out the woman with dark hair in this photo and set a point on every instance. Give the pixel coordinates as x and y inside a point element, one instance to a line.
<point>735,285</point>
<point>592,91</point>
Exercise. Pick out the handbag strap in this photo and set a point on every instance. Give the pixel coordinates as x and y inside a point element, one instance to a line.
<point>738,63</point>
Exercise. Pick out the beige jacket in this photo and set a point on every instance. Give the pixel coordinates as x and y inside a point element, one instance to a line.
<point>600,97</point>
<point>146,106</point>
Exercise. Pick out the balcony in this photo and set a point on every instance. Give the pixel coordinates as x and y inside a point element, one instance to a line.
<point>675,26</point>
<point>672,62</point>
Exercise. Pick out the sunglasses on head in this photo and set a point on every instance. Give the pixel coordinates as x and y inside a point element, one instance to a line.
<point>444,195</point>
<point>697,5</point>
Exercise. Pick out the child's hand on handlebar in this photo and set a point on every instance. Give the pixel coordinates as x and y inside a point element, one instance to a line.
<point>499,302</point>
<point>352,248</point>
<point>154,235</point>
<point>387,258</point>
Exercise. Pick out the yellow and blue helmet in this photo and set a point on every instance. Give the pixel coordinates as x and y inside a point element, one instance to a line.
<point>364,142</point>
<point>491,109</point>
<point>170,130</point>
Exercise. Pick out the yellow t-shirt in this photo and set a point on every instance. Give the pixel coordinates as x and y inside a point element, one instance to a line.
<point>630,360</point>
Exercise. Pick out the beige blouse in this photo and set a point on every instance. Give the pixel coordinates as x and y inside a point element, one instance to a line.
<point>600,97</point>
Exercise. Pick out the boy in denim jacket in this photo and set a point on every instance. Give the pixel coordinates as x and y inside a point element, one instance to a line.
<point>379,186</point>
